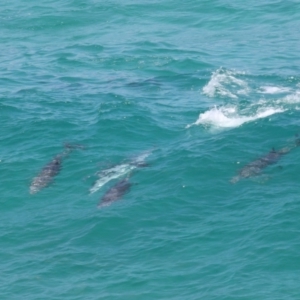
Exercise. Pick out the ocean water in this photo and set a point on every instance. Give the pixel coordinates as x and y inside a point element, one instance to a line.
<point>205,88</point>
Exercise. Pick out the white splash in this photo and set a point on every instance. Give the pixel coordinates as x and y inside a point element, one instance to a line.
<point>118,171</point>
<point>287,101</point>
<point>273,90</point>
<point>292,98</point>
<point>225,83</point>
<point>228,117</point>
<point>112,173</point>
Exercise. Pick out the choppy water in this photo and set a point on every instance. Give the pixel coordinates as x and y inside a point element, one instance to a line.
<point>208,87</point>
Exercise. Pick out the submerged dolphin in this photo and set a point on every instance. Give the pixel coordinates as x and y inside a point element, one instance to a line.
<point>115,192</point>
<point>254,168</point>
<point>110,174</point>
<point>119,170</point>
<point>45,177</point>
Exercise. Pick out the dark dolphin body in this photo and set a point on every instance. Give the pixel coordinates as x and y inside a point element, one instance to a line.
<point>254,168</point>
<point>45,177</point>
<point>115,192</point>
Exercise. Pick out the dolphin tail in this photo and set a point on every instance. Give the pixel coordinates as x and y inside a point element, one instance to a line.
<point>235,179</point>
<point>70,147</point>
<point>73,146</point>
<point>142,165</point>
<point>297,140</point>
<point>103,204</point>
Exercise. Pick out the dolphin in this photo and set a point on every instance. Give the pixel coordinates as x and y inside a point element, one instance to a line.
<point>115,192</point>
<point>118,171</point>
<point>255,167</point>
<point>49,171</point>
<point>110,174</point>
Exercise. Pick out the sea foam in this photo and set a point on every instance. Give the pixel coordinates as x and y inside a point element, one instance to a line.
<point>273,90</point>
<point>226,83</point>
<point>229,117</point>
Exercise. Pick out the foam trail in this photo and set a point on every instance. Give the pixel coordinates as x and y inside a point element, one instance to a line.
<point>228,118</point>
<point>141,158</point>
<point>287,102</point>
<point>273,90</point>
<point>110,174</point>
<point>291,99</point>
<point>118,171</point>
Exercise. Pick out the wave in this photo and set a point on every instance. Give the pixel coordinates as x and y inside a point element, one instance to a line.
<point>226,83</point>
<point>245,99</point>
<point>229,117</point>
<point>273,90</point>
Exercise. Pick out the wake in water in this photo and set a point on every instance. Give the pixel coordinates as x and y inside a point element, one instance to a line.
<point>273,90</point>
<point>242,102</point>
<point>119,170</point>
<point>230,117</point>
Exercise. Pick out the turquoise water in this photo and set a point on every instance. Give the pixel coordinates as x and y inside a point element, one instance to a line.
<point>207,87</point>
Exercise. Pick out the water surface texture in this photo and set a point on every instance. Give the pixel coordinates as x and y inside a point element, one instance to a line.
<point>205,88</point>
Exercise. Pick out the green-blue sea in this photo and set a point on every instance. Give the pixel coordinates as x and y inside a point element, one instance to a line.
<point>199,99</point>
